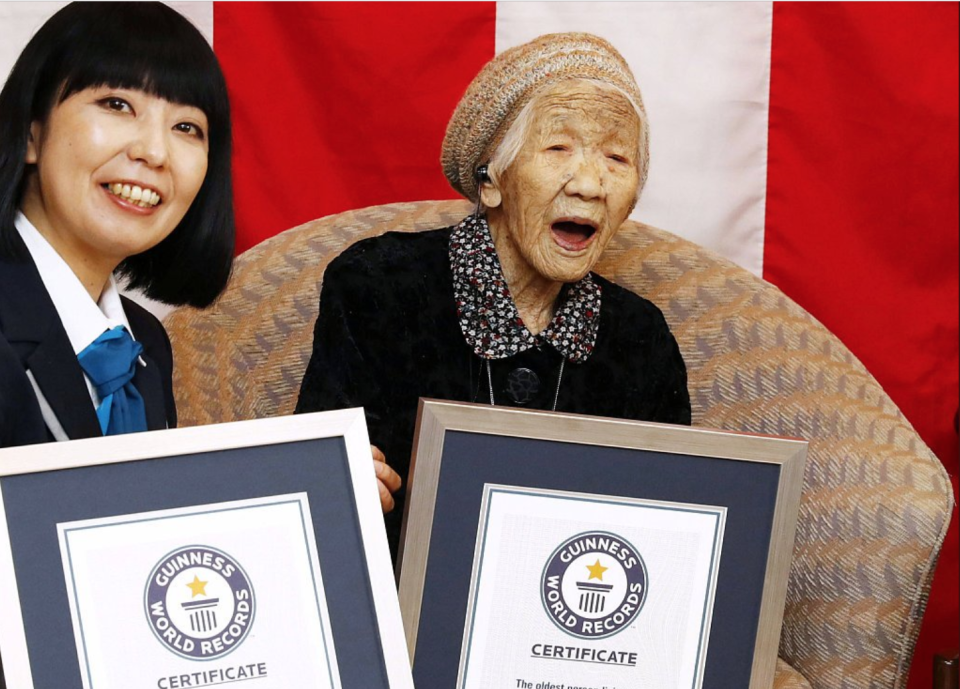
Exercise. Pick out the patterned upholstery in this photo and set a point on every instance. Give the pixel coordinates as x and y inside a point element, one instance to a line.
<point>876,501</point>
<point>787,677</point>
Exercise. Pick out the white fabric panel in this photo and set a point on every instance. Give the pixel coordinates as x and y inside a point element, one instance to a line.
<point>20,20</point>
<point>704,71</point>
<point>200,13</point>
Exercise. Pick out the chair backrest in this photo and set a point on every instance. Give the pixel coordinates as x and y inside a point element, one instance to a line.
<point>876,501</point>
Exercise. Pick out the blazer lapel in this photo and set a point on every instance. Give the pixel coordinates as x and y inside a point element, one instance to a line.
<point>148,384</point>
<point>31,325</point>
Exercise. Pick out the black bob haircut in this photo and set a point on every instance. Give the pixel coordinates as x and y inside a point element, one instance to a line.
<point>132,45</point>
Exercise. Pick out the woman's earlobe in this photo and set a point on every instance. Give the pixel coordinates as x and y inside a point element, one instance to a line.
<point>33,136</point>
<point>489,195</point>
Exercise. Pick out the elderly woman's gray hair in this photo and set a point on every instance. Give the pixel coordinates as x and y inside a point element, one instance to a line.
<point>488,125</point>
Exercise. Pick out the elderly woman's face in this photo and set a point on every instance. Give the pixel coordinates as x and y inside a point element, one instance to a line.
<point>573,183</point>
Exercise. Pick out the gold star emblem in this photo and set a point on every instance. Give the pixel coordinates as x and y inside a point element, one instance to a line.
<point>596,571</point>
<point>199,588</point>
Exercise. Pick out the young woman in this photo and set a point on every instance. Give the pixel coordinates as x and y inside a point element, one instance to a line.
<point>114,161</point>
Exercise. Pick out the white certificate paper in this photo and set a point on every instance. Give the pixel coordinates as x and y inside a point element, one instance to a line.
<point>200,597</point>
<point>578,590</point>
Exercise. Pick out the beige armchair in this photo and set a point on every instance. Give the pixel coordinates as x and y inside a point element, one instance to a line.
<point>875,503</point>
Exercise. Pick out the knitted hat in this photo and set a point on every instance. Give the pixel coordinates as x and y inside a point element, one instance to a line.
<point>508,82</point>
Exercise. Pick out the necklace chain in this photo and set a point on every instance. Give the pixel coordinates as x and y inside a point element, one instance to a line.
<point>556,392</point>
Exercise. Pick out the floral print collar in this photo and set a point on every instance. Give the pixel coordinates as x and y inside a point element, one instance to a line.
<point>488,317</point>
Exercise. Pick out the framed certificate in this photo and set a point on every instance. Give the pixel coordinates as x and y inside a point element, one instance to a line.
<point>547,551</point>
<point>199,557</point>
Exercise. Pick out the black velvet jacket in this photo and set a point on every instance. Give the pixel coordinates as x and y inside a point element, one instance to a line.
<point>388,334</point>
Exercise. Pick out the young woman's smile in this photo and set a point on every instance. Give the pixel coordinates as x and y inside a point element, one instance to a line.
<point>134,195</point>
<point>115,172</point>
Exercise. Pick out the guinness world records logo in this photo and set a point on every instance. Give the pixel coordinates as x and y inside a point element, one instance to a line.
<point>199,602</point>
<point>594,585</point>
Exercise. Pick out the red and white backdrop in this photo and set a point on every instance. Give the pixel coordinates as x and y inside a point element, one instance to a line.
<point>814,144</point>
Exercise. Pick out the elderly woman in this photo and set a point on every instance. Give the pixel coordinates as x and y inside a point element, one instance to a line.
<point>551,141</point>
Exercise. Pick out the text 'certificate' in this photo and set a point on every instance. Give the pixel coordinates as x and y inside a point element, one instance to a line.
<point>199,597</point>
<point>571,589</point>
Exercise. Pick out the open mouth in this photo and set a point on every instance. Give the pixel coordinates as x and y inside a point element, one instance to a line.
<point>133,194</point>
<point>573,235</point>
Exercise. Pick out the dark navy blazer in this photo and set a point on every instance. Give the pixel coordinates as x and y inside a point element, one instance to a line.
<point>32,338</point>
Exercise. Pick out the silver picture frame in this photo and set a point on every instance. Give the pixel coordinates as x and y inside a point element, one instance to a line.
<point>495,446</point>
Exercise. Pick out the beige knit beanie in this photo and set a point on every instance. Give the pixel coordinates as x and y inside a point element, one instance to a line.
<point>508,82</point>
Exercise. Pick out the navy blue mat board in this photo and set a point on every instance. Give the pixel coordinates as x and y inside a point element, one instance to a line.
<point>747,489</point>
<point>35,503</point>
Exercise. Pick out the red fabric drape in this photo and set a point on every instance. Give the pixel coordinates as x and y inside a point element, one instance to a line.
<point>343,105</point>
<point>862,213</point>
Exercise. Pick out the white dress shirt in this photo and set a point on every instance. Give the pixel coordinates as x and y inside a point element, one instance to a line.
<point>83,319</point>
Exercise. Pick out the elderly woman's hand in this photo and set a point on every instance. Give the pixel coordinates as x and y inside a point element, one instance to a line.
<point>388,480</point>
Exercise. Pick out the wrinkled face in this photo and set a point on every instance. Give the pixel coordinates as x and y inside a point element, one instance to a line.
<point>116,171</point>
<point>572,184</point>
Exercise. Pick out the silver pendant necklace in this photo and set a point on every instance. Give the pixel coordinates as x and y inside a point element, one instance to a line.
<point>483,176</point>
<point>556,392</point>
